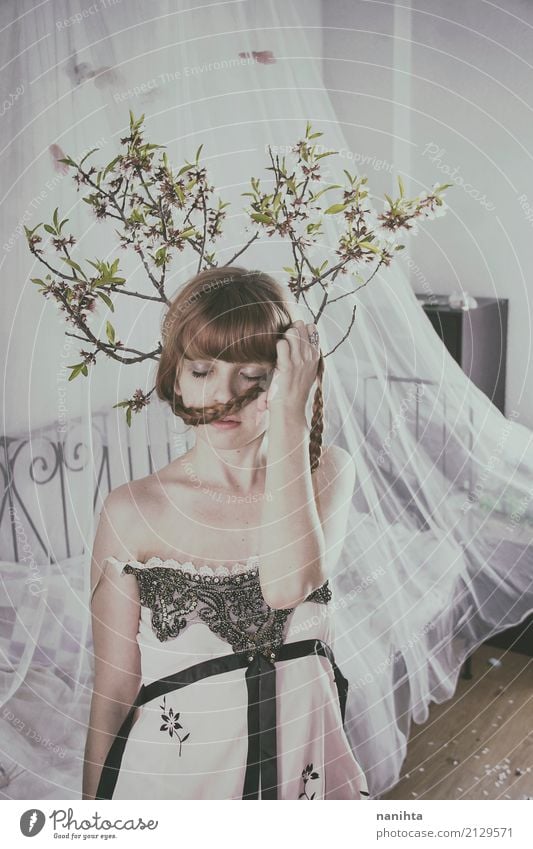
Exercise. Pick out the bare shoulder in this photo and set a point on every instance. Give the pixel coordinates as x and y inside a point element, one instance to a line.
<point>337,457</point>
<point>133,498</point>
<point>119,531</point>
<point>124,499</point>
<point>336,467</point>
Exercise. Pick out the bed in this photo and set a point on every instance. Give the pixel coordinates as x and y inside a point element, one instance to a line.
<point>46,667</point>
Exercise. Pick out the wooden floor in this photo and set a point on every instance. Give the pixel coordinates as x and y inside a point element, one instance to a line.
<point>478,745</point>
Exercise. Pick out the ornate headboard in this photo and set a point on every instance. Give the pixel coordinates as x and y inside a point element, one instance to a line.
<point>44,473</point>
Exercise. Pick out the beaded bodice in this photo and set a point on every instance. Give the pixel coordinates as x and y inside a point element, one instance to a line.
<point>230,604</point>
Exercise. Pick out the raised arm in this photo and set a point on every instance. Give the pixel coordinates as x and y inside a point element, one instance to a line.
<point>303,524</point>
<point>115,612</point>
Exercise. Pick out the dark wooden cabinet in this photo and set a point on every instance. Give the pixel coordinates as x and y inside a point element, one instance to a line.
<point>476,339</point>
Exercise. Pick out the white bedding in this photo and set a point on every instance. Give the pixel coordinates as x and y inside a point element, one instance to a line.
<point>42,737</point>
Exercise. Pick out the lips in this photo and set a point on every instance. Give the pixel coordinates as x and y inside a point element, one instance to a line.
<point>225,424</point>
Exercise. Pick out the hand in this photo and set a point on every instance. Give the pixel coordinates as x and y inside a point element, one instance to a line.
<point>294,373</point>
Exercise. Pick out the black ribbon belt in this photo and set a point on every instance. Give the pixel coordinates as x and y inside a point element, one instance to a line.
<point>261,764</point>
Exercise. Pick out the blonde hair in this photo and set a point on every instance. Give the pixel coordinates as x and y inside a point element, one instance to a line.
<point>235,315</point>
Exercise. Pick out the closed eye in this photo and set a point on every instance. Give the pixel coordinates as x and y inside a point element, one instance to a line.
<point>200,374</point>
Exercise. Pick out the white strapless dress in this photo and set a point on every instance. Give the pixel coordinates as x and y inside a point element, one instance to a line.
<point>237,700</point>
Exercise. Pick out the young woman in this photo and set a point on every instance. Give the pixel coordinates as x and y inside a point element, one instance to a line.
<point>215,676</point>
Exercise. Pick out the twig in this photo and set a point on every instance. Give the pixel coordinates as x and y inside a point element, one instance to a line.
<point>345,335</point>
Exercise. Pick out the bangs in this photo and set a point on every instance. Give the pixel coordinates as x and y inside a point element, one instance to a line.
<point>228,313</point>
<point>235,332</point>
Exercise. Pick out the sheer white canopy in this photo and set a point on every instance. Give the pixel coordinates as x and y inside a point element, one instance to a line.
<point>435,560</point>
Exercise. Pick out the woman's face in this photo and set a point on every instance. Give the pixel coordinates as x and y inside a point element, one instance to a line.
<point>205,382</point>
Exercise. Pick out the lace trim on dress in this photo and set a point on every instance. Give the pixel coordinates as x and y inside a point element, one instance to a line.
<point>230,603</point>
<point>188,566</point>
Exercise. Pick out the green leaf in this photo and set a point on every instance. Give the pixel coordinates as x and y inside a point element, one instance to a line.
<point>50,229</point>
<point>333,210</point>
<point>368,246</point>
<point>76,369</point>
<point>67,160</point>
<point>73,264</point>
<point>135,125</point>
<point>322,191</point>
<point>55,218</point>
<point>261,218</point>
<point>198,153</point>
<point>110,332</point>
<point>186,234</point>
<point>160,256</point>
<point>107,300</point>
<point>88,154</point>
<point>97,264</point>
<point>109,167</point>
<point>292,185</point>
<point>401,186</point>
<point>128,416</point>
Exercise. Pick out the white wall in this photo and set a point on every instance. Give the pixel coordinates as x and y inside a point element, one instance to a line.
<point>459,109</point>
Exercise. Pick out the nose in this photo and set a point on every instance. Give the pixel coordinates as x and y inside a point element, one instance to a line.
<point>225,388</point>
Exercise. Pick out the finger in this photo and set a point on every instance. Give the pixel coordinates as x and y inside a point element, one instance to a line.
<point>294,336</point>
<point>312,349</point>
<point>307,347</point>
<point>284,353</point>
<point>261,407</point>
<point>265,397</point>
<point>273,388</point>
